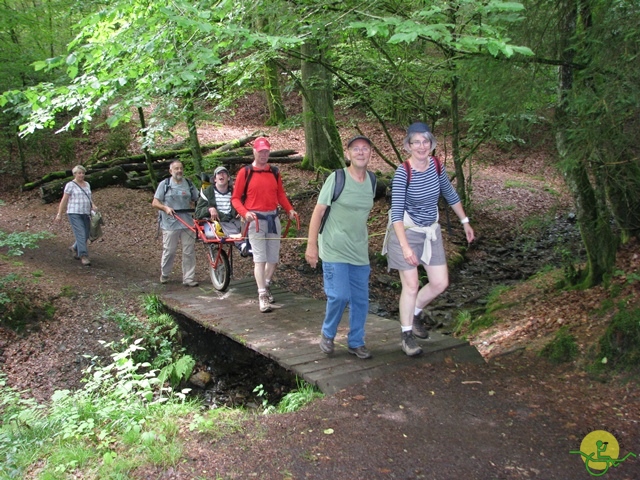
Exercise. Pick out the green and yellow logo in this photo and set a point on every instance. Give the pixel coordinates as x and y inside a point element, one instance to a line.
<point>600,451</point>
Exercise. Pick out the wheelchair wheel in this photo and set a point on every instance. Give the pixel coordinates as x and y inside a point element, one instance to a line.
<point>221,273</point>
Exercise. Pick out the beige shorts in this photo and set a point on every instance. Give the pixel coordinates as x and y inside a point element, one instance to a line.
<point>265,246</point>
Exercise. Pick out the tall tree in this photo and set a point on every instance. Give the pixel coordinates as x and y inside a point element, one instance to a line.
<point>322,140</point>
<point>446,34</point>
<point>273,93</point>
<point>597,109</point>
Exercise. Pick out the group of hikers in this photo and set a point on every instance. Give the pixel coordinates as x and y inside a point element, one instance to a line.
<point>337,235</point>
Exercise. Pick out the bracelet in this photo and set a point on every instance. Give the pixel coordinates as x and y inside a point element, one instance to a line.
<point>464,220</point>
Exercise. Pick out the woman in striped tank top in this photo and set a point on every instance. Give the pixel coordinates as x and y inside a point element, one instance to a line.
<point>414,236</point>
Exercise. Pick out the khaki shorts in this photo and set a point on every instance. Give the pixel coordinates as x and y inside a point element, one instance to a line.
<point>395,259</point>
<point>265,246</point>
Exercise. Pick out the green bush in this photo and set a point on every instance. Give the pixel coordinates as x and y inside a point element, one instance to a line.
<point>84,431</point>
<point>17,307</point>
<point>620,344</point>
<point>17,242</point>
<point>293,401</point>
<point>563,348</point>
<point>160,336</point>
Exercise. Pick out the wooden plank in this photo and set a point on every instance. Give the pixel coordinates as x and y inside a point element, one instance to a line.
<point>290,334</point>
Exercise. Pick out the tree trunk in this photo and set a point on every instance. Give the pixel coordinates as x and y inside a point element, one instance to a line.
<point>194,143</point>
<point>461,186</point>
<point>591,211</point>
<point>147,155</point>
<point>322,139</point>
<point>277,114</point>
<point>623,186</point>
<point>23,160</point>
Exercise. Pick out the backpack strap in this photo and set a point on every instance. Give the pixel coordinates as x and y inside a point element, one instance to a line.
<point>407,167</point>
<point>338,186</point>
<point>249,173</point>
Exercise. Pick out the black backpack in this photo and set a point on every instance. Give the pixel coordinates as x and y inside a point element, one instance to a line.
<point>337,190</point>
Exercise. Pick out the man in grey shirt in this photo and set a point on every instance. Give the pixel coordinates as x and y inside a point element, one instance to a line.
<point>174,194</point>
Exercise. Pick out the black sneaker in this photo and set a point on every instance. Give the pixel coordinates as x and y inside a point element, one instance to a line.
<point>409,345</point>
<point>360,352</point>
<point>419,328</point>
<point>326,344</point>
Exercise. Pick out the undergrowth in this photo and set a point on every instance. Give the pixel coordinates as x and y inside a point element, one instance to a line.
<point>17,307</point>
<point>620,344</point>
<point>563,348</point>
<point>126,416</point>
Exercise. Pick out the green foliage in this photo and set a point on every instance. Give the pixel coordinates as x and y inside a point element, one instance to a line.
<point>219,422</point>
<point>5,289</point>
<point>17,242</point>
<point>291,122</point>
<point>177,371</point>
<point>117,142</point>
<point>17,308</point>
<point>153,305</point>
<point>620,344</point>
<point>466,323</point>
<point>304,394</point>
<point>572,273</point>
<point>161,336</point>
<point>481,322</point>
<point>261,393</point>
<point>68,291</point>
<point>463,319</point>
<point>563,348</point>
<point>494,298</point>
<point>630,278</point>
<point>83,431</point>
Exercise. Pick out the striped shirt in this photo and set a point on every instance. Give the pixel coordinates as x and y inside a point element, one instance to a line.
<point>420,199</point>
<point>223,202</point>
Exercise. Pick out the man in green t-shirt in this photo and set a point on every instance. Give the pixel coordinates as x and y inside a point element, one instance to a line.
<point>343,247</point>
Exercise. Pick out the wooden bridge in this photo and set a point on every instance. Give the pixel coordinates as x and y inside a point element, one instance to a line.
<point>290,334</point>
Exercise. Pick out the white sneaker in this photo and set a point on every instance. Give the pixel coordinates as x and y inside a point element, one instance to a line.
<point>263,299</point>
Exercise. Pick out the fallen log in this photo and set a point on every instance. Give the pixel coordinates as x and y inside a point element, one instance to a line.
<point>167,154</point>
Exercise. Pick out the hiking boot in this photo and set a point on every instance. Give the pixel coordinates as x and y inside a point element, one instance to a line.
<point>191,283</point>
<point>419,329</point>
<point>269,296</point>
<point>409,345</point>
<point>74,253</point>
<point>360,352</point>
<point>85,261</point>
<point>263,299</point>
<point>326,344</point>
<point>164,279</point>
<point>431,323</point>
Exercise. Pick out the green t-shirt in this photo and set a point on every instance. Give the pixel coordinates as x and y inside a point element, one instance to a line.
<point>345,238</point>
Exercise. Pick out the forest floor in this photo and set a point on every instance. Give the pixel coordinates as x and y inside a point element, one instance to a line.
<point>516,417</point>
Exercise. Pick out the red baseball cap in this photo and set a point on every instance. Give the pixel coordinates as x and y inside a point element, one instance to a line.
<point>261,143</point>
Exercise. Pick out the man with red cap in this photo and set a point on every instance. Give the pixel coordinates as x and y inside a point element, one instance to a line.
<point>257,193</point>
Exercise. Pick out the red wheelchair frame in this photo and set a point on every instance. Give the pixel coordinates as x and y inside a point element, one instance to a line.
<point>220,249</point>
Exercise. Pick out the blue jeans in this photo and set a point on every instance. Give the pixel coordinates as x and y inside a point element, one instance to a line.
<point>80,225</point>
<point>346,284</point>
